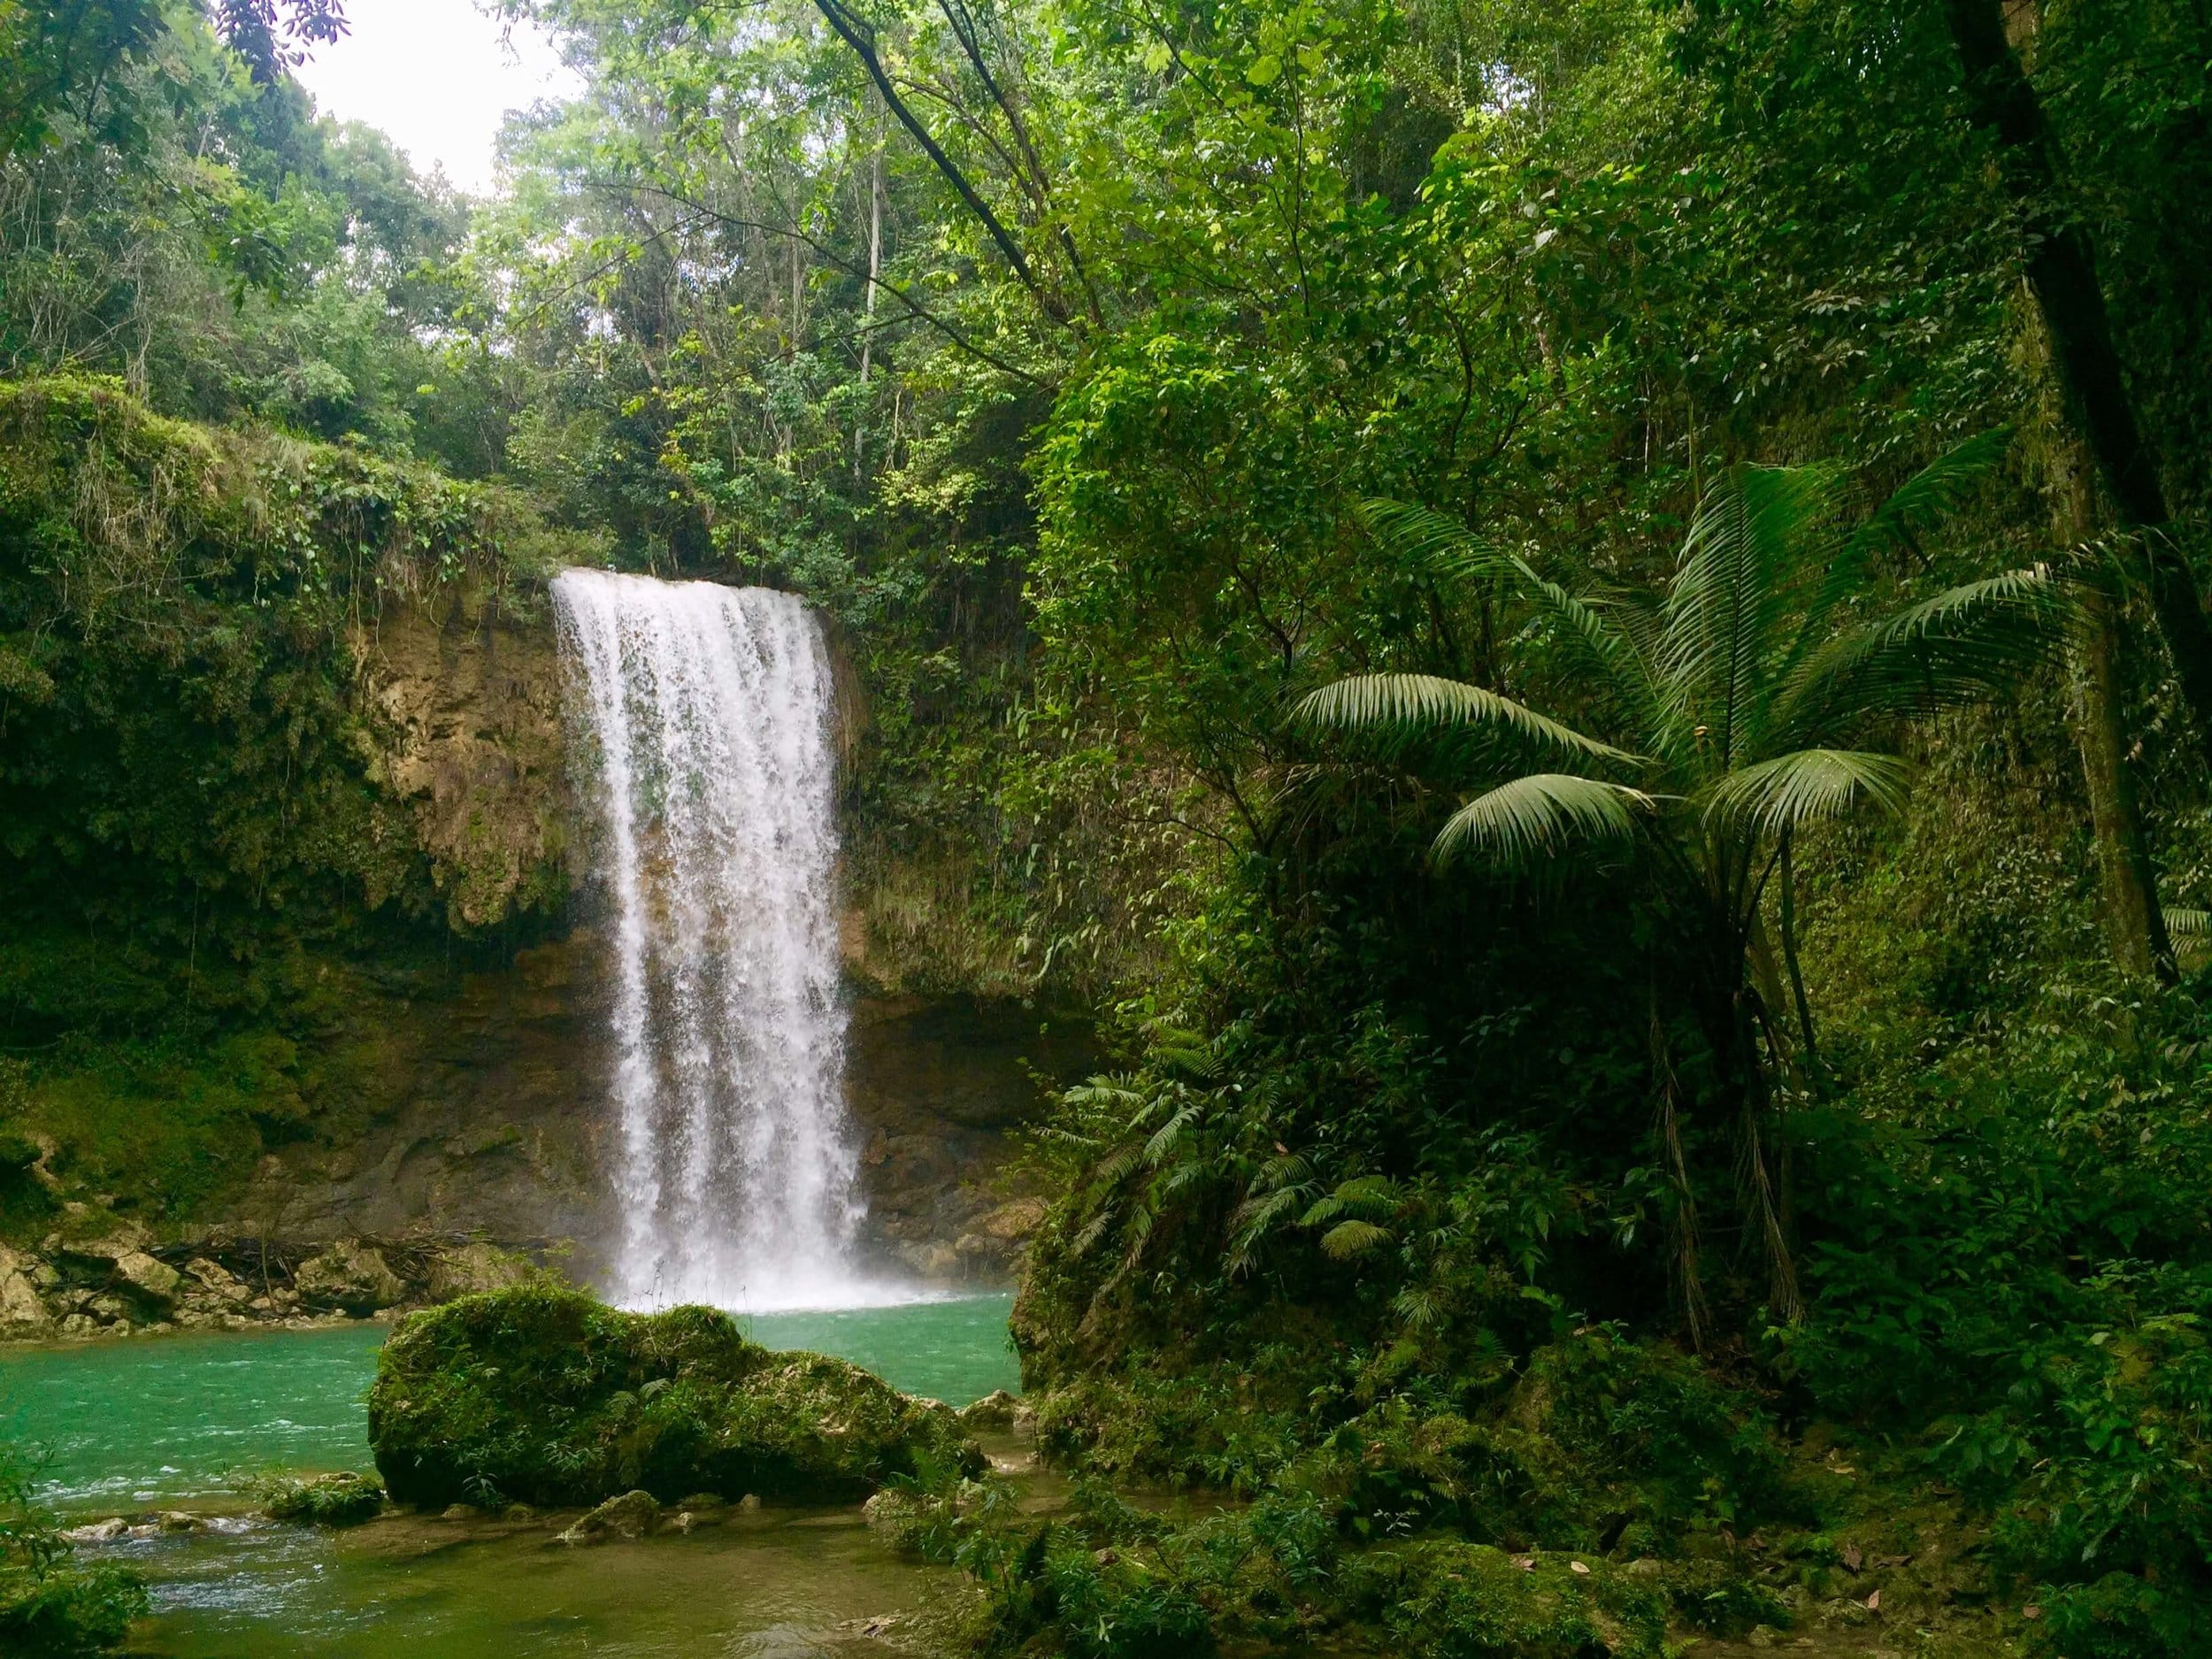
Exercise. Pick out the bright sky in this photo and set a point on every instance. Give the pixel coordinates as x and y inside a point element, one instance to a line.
<point>436,76</point>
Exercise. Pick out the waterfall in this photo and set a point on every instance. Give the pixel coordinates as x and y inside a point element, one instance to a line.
<point>700,733</point>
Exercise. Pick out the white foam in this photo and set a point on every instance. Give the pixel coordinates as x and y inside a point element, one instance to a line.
<point>701,724</point>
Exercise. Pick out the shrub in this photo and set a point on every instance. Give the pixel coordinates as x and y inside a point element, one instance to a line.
<point>50,1608</point>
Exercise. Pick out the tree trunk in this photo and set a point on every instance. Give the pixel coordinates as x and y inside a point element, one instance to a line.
<point>868,297</point>
<point>2061,271</point>
<point>2133,921</point>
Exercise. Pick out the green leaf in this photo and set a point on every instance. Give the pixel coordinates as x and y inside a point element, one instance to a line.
<point>1367,701</point>
<point>1805,786</point>
<point>1541,815</point>
<point>1349,1239</point>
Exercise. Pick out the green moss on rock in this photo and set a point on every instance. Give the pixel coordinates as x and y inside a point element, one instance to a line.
<point>340,1500</point>
<point>543,1395</point>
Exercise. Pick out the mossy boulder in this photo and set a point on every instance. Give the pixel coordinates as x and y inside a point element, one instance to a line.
<point>543,1395</point>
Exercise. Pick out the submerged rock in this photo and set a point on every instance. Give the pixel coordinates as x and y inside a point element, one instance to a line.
<point>543,1395</point>
<point>632,1514</point>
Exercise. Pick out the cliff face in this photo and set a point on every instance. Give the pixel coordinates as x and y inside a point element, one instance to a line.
<point>461,714</point>
<point>479,1093</point>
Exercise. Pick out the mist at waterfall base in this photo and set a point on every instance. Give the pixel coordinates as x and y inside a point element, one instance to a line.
<point>700,722</point>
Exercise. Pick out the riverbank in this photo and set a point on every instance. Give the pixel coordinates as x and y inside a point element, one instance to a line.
<point>99,1275</point>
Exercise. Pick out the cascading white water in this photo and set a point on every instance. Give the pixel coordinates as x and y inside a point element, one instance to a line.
<point>701,727</point>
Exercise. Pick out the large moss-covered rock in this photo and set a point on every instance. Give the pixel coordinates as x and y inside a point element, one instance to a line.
<point>545,1396</point>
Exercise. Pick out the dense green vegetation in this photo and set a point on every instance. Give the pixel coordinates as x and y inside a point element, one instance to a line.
<point>1583,623</point>
<point>51,1607</point>
<point>539,1394</point>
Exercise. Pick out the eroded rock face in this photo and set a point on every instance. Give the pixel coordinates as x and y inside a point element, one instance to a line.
<point>548,1397</point>
<point>464,711</point>
<point>486,1109</point>
<point>111,1287</point>
<point>939,1086</point>
<point>478,1092</point>
<point>348,1277</point>
<point>22,1314</point>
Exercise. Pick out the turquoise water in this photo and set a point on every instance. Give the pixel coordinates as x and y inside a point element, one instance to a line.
<point>136,1424</point>
<point>173,1421</point>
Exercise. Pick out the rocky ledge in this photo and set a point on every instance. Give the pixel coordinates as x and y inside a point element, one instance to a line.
<point>100,1276</point>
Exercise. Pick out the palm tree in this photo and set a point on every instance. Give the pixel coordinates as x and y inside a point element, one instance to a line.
<point>1756,698</point>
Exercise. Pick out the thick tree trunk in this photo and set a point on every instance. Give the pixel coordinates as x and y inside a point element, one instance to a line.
<point>2061,270</point>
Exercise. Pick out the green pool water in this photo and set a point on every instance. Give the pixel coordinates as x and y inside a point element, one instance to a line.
<point>135,1423</point>
<point>120,1427</point>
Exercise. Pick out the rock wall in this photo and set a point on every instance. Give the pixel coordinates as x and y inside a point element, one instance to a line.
<point>485,1110</point>
<point>461,715</point>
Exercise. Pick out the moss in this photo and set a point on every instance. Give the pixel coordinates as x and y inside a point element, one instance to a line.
<point>339,1500</point>
<point>1456,1601</point>
<point>545,1396</point>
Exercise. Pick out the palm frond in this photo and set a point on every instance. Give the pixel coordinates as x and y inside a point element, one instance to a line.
<point>1163,1143</point>
<point>1375,1192</point>
<point>1254,1219</point>
<point>1423,536</point>
<point>1367,701</point>
<point>1121,1093</point>
<point>1962,646</point>
<point>2190,933</point>
<point>1349,1239</point>
<point>1538,816</point>
<point>2194,925</point>
<point>1742,566</point>
<point>1418,1310</point>
<point>1934,490</point>
<point>1807,785</point>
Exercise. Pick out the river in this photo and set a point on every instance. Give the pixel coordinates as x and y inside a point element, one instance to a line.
<point>180,1423</point>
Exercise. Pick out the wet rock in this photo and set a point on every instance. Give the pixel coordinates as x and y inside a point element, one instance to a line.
<point>350,1277</point>
<point>473,1268</point>
<point>991,1414</point>
<point>99,1531</point>
<point>542,1393</point>
<point>22,1313</point>
<point>153,1280</point>
<point>178,1521</point>
<point>632,1514</point>
<point>80,1324</point>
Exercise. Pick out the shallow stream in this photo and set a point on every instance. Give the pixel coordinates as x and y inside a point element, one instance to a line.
<point>160,1422</point>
